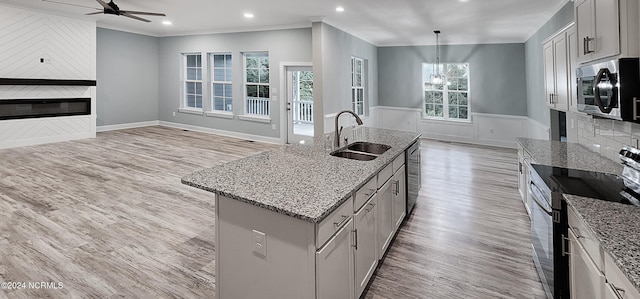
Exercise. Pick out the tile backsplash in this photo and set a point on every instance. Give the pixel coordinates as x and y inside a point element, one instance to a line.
<point>604,136</point>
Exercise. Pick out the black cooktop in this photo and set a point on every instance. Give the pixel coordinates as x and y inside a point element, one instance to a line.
<point>603,186</point>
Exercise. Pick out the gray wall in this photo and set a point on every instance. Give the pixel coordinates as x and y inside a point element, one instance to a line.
<point>497,75</point>
<point>536,107</point>
<point>127,75</point>
<point>333,49</point>
<point>292,45</point>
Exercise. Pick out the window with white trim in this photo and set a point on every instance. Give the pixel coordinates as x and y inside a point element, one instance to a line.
<point>256,81</point>
<point>446,97</point>
<point>357,85</point>
<point>192,80</point>
<point>221,82</point>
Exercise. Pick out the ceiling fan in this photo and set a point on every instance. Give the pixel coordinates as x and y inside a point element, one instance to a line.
<point>113,9</point>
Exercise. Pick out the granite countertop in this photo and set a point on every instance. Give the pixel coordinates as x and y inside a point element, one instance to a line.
<point>568,155</point>
<point>301,181</point>
<point>617,227</point>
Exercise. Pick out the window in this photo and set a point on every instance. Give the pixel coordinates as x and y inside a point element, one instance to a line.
<point>449,98</point>
<point>357,85</point>
<point>192,81</point>
<point>257,83</point>
<point>221,82</point>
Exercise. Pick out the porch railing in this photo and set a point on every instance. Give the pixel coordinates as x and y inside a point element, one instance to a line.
<point>258,106</point>
<point>303,112</point>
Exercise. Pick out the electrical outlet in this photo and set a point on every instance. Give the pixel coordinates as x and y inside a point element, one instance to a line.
<point>273,126</point>
<point>572,124</point>
<point>491,131</point>
<point>174,113</point>
<point>259,243</point>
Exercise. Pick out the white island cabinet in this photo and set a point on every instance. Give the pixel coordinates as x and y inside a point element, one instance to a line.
<point>297,222</point>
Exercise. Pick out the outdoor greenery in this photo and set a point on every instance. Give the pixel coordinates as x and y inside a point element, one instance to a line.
<point>451,94</point>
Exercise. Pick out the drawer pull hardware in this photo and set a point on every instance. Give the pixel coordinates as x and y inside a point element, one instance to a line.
<point>371,206</point>
<point>618,291</point>
<point>564,247</point>
<point>355,238</point>
<point>344,220</point>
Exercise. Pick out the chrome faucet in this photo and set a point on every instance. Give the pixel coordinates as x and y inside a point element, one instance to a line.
<point>336,138</point>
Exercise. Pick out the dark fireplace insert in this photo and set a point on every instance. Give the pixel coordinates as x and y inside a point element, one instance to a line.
<point>34,108</point>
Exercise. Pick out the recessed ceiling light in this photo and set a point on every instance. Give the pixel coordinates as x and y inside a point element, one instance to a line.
<point>339,9</point>
<point>248,15</point>
<point>463,0</point>
<point>167,23</point>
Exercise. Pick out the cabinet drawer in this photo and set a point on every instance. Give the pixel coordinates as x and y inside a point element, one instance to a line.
<point>385,174</point>
<point>398,162</point>
<point>586,238</point>
<point>364,193</point>
<point>336,220</point>
<point>619,282</point>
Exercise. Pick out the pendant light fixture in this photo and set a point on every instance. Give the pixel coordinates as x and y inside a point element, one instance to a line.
<point>436,78</point>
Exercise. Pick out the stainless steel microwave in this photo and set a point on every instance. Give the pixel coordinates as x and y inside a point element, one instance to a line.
<point>610,89</point>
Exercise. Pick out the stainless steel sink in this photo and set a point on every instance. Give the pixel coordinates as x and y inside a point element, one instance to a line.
<point>368,147</point>
<point>353,155</point>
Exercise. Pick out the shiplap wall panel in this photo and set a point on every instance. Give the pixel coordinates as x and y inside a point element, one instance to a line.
<point>26,37</point>
<point>69,48</point>
<point>23,132</point>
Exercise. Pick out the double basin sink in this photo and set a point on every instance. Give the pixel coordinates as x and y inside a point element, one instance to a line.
<point>363,151</point>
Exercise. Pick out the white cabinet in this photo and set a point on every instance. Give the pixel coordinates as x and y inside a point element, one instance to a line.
<point>585,278</point>
<point>598,29</point>
<point>385,217</point>
<point>524,162</point>
<point>556,72</point>
<point>617,282</point>
<point>399,187</point>
<point>606,28</point>
<point>572,56</point>
<point>334,265</point>
<point>366,259</point>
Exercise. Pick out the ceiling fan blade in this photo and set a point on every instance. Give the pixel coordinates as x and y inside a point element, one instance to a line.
<point>70,4</point>
<point>133,17</point>
<point>94,13</point>
<point>105,5</point>
<point>143,13</point>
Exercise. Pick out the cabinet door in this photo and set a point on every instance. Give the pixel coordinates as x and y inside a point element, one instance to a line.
<point>549,73</point>
<point>385,217</point>
<point>606,28</point>
<point>399,197</point>
<point>334,265</point>
<point>584,24</point>
<point>365,245</point>
<point>572,55</point>
<point>585,280</point>
<point>561,65</point>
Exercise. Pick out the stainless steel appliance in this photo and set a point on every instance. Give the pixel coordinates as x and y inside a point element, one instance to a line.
<point>549,227</point>
<point>412,157</point>
<point>610,89</point>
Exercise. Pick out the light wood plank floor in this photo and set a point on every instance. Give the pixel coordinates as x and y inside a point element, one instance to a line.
<point>108,217</point>
<point>468,236</point>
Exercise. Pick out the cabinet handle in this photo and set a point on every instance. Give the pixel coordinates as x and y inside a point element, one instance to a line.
<point>635,108</point>
<point>355,238</point>
<point>585,45</point>
<point>371,206</point>
<point>564,240</point>
<point>344,220</point>
<point>396,185</point>
<point>520,168</point>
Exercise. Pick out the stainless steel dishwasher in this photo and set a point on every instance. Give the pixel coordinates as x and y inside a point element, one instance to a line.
<point>413,175</point>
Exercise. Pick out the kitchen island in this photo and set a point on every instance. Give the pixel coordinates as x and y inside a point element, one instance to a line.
<point>287,220</point>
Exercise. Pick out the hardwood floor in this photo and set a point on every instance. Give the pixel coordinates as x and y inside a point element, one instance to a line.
<point>468,236</point>
<point>108,217</point>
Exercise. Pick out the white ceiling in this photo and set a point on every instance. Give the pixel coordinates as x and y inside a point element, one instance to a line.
<point>381,22</point>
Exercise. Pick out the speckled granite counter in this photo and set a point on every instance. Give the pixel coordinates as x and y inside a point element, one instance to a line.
<point>617,227</point>
<point>568,155</point>
<point>301,181</point>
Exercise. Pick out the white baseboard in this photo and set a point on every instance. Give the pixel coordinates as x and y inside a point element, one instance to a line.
<point>127,126</point>
<point>252,137</point>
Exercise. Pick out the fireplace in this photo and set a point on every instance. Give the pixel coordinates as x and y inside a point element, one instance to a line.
<point>34,108</point>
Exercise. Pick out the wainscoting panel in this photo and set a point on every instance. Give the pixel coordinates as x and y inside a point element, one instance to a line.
<point>486,129</point>
<point>23,132</point>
